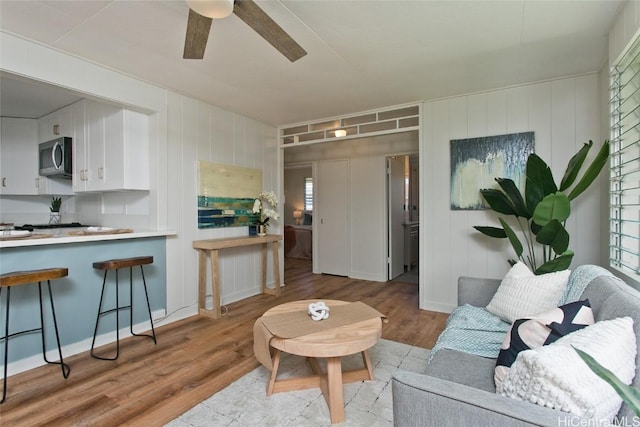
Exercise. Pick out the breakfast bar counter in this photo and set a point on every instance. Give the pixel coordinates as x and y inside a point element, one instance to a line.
<point>74,235</point>
<point>77,296</point>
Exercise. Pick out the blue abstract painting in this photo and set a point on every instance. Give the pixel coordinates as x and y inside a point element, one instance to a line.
<point>476,162</point>
<point>226,194</point>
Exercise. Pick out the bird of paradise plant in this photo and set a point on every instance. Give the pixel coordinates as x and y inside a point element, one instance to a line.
<point>541,213</point>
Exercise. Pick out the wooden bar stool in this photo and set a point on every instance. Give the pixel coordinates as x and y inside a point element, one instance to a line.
<point>17,278</point>
<point>116,264</point>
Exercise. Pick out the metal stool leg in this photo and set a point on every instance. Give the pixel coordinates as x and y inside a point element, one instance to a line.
<point>146,294</point>
<point>6,345</point>
<point>101,313</point>
<point>66,369</point>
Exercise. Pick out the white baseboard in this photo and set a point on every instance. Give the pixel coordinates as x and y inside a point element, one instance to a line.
<point>441,308</point>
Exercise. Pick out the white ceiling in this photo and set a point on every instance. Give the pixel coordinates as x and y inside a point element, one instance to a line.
<point>362,55</point>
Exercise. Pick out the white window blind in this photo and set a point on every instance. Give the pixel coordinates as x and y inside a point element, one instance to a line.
<point>308,194</point>
<point>624,214</point>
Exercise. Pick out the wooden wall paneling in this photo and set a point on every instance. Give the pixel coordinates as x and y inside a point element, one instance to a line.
<point>518,109</point>
<point>497,113</point>
<point>203,133</point>
<point>477,115</point>
<point>437,204</point>
<point>240,140</point>
<point>227,137</point>
<point>239,256</point>
<point>192,128</point>
<point>476,250</point>
<point>458,220</point>
<point>437,227</point>
<point>216,139</point>
<point>587,208</point>
<point>587,110</point>
<point>427,183</point>
<point>253,134</point>
<point>179,260</point>
<point>563,114</point>
<point>158,164</point>
<point>563,132</point>
<point>540,117</point>
<point>270,164</point>
<point>559,112</point>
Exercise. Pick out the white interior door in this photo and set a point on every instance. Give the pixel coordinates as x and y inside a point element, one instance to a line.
<point>395,190</point>
<point>332,217</point>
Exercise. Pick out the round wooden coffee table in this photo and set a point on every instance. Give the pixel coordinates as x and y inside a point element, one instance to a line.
<point>331,344</point>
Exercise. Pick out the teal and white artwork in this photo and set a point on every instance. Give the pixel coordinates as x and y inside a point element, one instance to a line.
<point>226,194</point>
<point>477,162</point>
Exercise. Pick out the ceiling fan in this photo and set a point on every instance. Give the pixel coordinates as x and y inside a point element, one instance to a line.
<point>202,13</point>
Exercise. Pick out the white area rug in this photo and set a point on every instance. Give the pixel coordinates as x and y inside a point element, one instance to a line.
<point>368,403</point>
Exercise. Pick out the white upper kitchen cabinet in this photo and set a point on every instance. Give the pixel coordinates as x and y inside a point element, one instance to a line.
<point>110,149</point>
<point>18,156</point>
<point>56,124</point>
<point>80,151</point>
<point>54,186</point>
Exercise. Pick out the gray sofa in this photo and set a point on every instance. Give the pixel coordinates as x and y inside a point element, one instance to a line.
<point>458,388</point>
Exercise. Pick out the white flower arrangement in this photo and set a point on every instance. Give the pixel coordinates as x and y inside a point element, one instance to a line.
<point>266,205</point>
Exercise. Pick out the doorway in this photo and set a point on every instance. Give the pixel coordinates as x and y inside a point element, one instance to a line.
<point>403,224</point>
<point>297,216</point>
<point>365,191</point>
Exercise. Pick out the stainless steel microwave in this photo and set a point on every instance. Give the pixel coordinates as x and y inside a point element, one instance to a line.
<point>55,158</point>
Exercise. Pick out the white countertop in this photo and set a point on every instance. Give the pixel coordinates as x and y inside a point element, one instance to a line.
<point>61,236</point>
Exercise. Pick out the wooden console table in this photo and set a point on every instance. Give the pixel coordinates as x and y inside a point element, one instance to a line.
<point>208,249</point>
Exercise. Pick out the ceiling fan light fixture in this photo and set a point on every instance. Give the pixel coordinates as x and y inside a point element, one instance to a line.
<point>215,9</point>
<point>340,133</point>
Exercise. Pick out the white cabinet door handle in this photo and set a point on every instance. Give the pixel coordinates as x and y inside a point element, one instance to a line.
<point>4,182</point>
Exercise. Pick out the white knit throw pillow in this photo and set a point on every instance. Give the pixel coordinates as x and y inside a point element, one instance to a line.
<point>556,377</point>
<point>523,294</point>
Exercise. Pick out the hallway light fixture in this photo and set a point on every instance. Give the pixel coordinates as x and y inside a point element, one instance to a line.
<point>340,133</point>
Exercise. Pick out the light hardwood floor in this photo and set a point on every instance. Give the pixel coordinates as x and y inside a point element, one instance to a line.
<point>194,358</point>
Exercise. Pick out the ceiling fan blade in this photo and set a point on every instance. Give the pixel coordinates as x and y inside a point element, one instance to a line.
<point>195,42</point>
<point>262,24</point>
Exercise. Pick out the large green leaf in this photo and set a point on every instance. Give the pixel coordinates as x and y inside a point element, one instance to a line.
<point>513,239</point>
<point>592,171</point>
<point>555,235</point>
<point>496,232</point>
<point>535,228</point>
<point>553,206</point>
<point>539,181</point>
<point>498,201</point>
<point>574,166</point>
<point>630,395</point>
<point>558,264</point>
<point>513,193</point>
